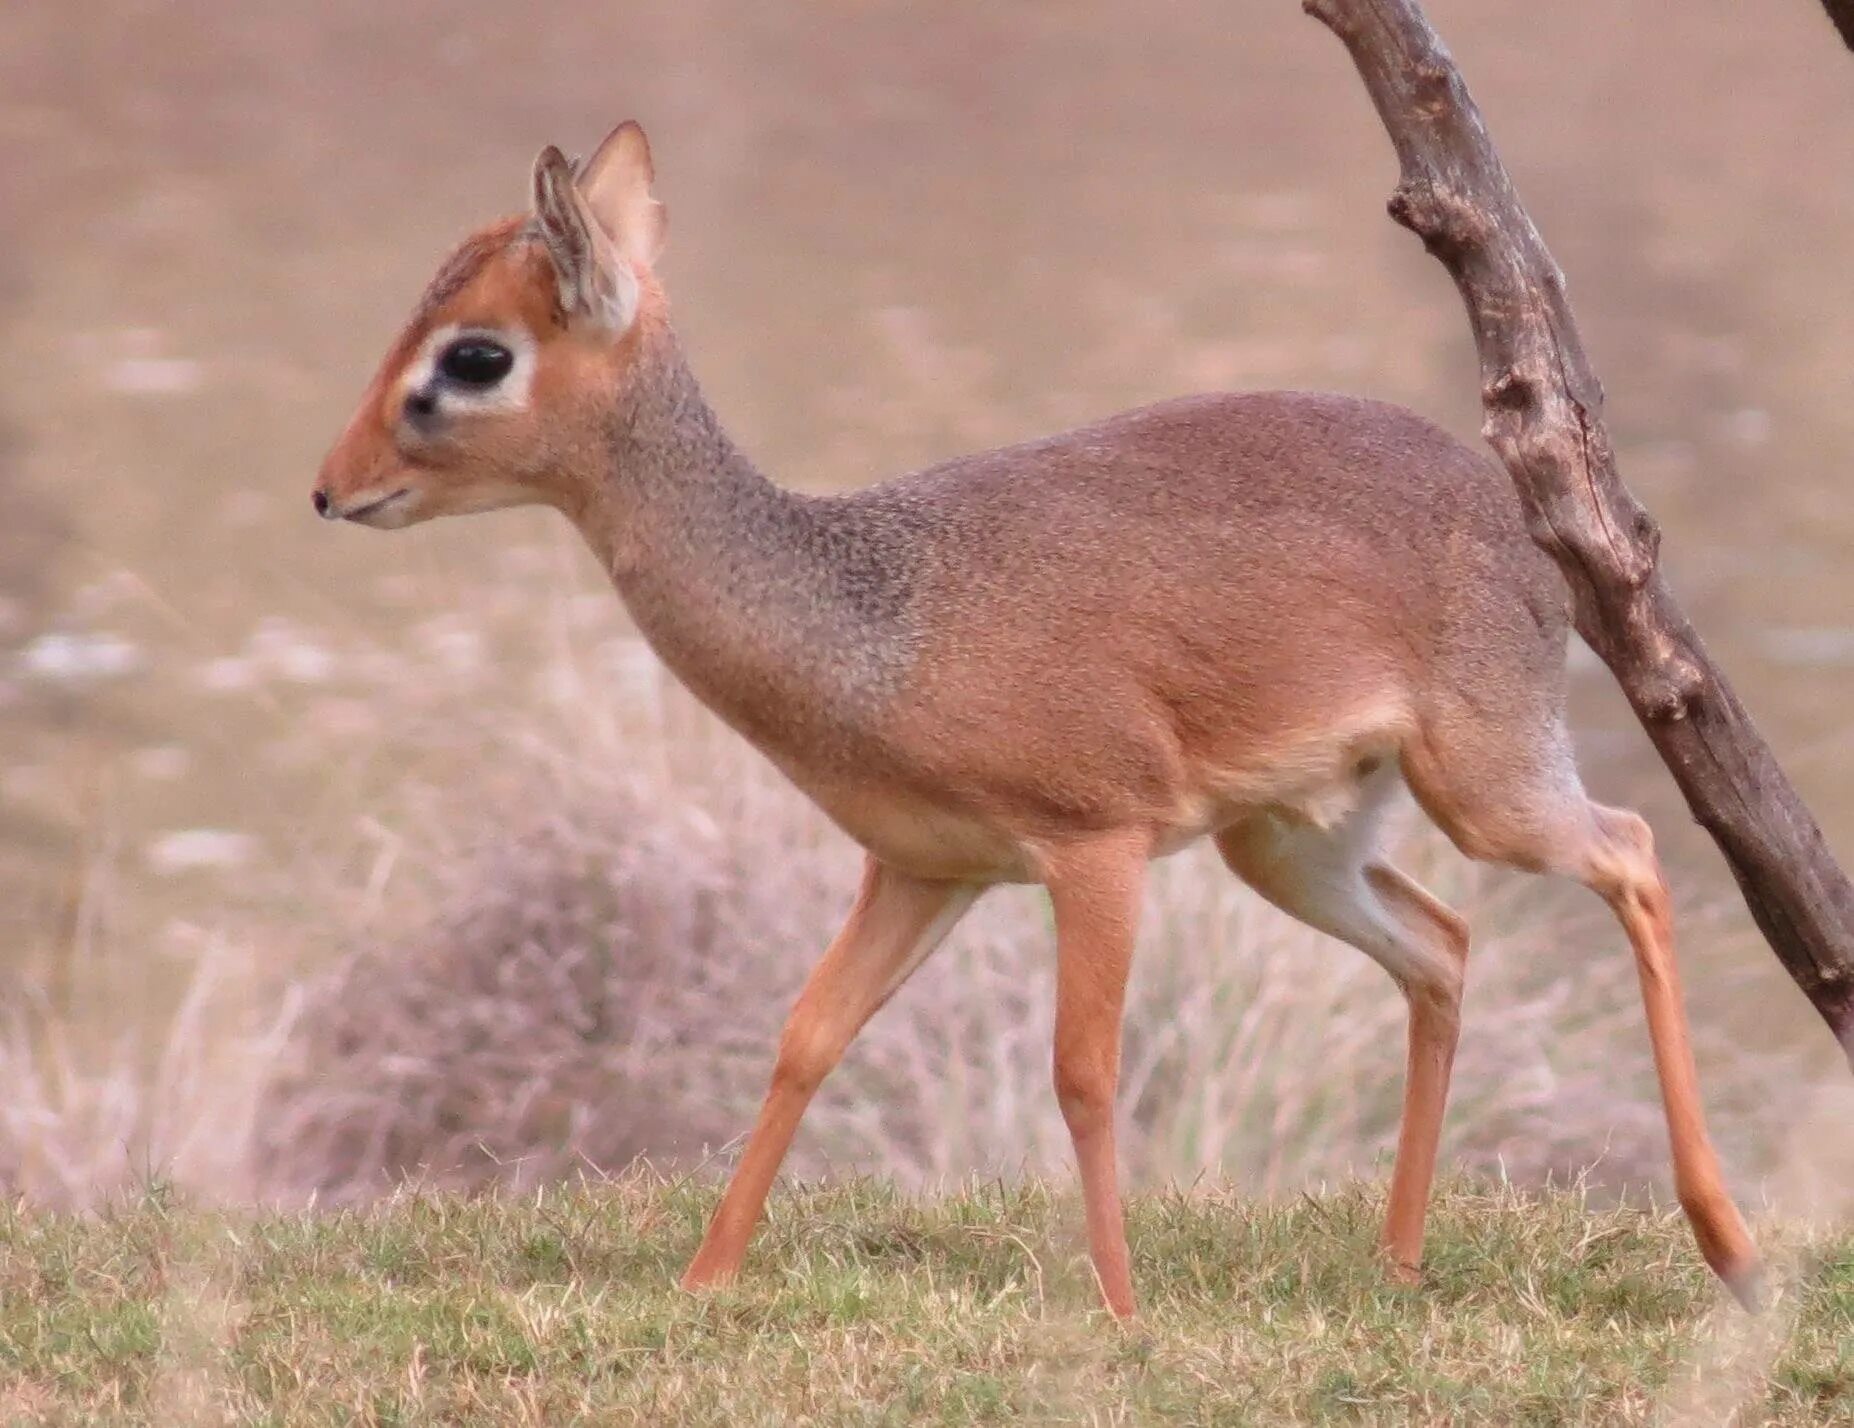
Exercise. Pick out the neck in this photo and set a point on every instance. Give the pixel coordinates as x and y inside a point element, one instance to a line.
<point>758,598</point>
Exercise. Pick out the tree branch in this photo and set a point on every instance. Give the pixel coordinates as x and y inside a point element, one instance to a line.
<point>1842,13</point>
<point>1543,407</point>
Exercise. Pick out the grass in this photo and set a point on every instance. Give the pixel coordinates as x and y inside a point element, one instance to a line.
<point>860,1305</point>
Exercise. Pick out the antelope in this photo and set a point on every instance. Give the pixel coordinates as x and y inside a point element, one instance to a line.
<point>1248,617</point>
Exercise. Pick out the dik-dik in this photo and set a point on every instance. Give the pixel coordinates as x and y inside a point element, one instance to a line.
<point>1246,617</point>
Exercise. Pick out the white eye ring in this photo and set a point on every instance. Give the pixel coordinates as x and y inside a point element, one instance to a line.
<point>511,392</point>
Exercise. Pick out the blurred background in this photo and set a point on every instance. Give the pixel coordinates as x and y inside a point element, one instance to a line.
<point>327,857</point>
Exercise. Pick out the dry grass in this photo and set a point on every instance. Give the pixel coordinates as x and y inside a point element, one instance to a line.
<point>81,1121</point>
<point>861,1306</point>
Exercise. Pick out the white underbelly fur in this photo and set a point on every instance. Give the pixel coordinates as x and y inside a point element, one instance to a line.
<point>1318,782</point>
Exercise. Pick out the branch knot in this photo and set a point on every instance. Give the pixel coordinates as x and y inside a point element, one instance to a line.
<point>1330,14</point>
<point>1673,690</point>
<point>1511,390</point>
<point>1448,222</point>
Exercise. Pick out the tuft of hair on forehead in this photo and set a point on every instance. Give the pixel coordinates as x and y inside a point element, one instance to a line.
<point>466,260</point>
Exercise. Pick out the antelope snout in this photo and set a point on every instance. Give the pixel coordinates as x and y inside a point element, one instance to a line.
<point>343,475</point>
<point>371,502</point>
<point>359,482</point>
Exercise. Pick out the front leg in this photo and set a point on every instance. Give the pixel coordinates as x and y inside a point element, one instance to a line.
<point>1095,889</point>
<point>896,922</point>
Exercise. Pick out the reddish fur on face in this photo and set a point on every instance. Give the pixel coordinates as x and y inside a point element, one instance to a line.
<point>497,280</point>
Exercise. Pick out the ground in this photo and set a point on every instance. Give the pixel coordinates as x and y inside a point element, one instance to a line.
<point>863,1306</point>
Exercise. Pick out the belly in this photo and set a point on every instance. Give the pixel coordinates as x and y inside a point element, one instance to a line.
<point>928,840</point>
<point>1319,778</point>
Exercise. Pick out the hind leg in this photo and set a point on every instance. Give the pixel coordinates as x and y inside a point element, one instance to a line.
<point>1334,881</point>
<point>1526,807</point>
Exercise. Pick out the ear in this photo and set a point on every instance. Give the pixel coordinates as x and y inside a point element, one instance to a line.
<point>595,284</point>
<point>615,183</point>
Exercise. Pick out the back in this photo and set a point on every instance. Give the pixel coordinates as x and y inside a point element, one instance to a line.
<point>1211,575</point>
<point>1271,493</point>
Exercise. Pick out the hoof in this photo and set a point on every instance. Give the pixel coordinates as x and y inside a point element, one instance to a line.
<point>1747,1282</point>
<point>1726,1245</point>
<point>698,1278</point>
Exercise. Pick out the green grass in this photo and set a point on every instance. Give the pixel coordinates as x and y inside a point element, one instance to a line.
<point>862,1306</point>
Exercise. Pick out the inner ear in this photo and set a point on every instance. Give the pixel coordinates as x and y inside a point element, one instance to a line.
<point>595,285</point>
<point>615,183</point>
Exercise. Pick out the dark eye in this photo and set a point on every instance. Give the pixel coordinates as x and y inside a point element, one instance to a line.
<point>476,362</point>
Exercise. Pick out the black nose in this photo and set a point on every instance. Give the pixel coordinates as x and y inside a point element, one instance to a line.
<point>320,498</point>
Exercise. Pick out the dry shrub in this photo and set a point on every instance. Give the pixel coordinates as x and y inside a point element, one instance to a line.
<point>601,976</point>
<point>581,997</point>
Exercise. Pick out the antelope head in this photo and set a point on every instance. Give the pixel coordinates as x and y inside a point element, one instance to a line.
<point>505,377</point>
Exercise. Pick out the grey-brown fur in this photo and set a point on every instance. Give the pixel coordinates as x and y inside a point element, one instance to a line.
<point>1228,563</point>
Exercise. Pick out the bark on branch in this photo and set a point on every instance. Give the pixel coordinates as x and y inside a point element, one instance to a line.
<point>1543,408</point>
